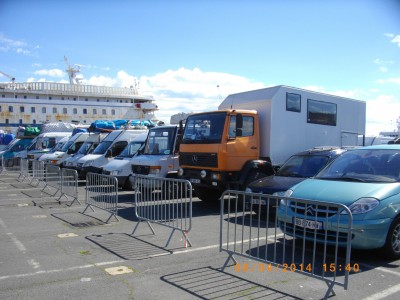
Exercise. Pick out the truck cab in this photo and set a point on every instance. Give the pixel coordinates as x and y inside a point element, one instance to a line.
<point>221,150</point>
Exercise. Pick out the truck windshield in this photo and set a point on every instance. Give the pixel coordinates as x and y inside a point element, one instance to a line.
<point>204,129</point>
<point>84,149</point>
<point>161,141</point>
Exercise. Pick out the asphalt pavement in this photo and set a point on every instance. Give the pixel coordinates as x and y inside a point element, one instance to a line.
<point>51,250</point>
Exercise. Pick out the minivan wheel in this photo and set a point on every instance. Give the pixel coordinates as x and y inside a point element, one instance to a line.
<point>392,245</point>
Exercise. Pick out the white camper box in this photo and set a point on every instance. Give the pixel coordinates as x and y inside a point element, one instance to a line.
<point>68,149</point>
<point>110,147</point>
<point>94,139</point>
<point>293,119</point>
<point>120,166</point>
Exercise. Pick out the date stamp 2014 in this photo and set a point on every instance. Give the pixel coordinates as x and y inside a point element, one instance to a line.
<point>326,268</point>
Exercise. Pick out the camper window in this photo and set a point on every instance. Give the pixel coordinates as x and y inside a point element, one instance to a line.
<point>319,112</point>
<point>293,102</point>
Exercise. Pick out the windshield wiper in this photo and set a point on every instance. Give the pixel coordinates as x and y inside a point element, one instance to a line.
<point>343,179</point>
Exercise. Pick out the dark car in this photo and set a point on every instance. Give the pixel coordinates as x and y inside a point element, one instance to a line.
<point>297,168</point>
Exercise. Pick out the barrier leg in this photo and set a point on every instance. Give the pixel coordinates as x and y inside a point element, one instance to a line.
<point>227,261</point>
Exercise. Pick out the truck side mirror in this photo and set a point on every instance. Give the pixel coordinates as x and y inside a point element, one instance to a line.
<point>239,124</point>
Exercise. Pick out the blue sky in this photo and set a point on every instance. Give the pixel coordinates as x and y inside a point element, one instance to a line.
<point>180,51</point>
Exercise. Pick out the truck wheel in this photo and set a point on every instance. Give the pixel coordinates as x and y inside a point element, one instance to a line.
<point>207,195</point>
<point>392,246</point>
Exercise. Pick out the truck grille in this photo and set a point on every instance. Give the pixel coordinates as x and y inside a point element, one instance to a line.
<point>199,159</point>
<point>143,170</point>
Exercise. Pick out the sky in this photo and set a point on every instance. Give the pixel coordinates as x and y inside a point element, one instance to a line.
<point>190,55</point>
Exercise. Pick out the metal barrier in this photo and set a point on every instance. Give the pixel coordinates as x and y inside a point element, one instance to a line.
<point>24,170</point>
<point>69,185</point>
<point>52,177</point>
<point>102,192</point>
<point>289,235</point>
<point>10,165</point>
<point>38,172</point>
<point>164,201</point>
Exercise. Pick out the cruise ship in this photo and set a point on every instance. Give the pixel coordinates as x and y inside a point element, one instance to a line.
<point>35,103</point>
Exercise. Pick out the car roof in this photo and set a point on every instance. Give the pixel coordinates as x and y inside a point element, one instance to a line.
<point>325,150</point>
<point>381,147</point>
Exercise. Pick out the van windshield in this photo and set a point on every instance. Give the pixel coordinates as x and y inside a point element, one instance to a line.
<point>102,147</point>
<point>130,150</point>
<point>204,128</point>
<point>161,141</point>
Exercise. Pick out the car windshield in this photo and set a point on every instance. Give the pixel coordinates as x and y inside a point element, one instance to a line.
<point>204,129</point>
<point>102,147</point>
<point>303,165</point>
<point>130,150</point>
<point>364,165</point>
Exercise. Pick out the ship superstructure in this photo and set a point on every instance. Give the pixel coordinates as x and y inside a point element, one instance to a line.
<point>34,103</point>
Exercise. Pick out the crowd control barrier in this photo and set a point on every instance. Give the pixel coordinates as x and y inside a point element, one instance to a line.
<point>52,178</point>
<point>102,192</point>
<point>166,202</point>
<point>69,185</point>
<point>252,226</point>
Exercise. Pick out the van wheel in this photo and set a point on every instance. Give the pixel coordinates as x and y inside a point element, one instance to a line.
<point>392,246</point>
<point>128,185</point>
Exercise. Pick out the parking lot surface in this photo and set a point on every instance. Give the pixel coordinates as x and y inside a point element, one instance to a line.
<point>51,250</point>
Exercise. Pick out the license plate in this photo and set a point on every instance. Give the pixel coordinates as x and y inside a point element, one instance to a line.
<point>258,201</point>
<point>194,180</point>
<point>307,223</point>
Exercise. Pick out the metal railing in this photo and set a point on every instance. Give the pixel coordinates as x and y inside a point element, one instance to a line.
<point>52,177</point>
<point>69,185</point>
<point>102,192</point>
<point>291,235</point>
<point>166,202</point>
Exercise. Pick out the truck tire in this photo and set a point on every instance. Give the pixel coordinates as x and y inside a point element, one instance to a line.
<point>207,195</point>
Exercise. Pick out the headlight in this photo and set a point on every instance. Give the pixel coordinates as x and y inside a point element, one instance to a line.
<point>203,174</point>
<point>363,205</point>
<point>248,190</point>
<point>154,169</point>
<point>114,173</point>
<point>88,163</point>
<point>288,193</point>
<point>279,194</point>
<point>180,172</point>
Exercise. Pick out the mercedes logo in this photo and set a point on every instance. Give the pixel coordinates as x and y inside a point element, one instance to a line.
<point>194,159</point>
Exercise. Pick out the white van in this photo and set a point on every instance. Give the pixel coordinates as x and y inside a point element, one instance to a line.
<point>110,147</point>
<point>120,166</point>
<point>94,139</point>
<point>68,149</point>
<point>45,142</point>
<point>160,157</point>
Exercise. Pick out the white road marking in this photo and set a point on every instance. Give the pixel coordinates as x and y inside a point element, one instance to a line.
<point>385,293</point>
<point>61,270</point>
<point>17,242</point>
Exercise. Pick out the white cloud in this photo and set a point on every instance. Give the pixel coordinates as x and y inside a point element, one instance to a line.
<point>7,44</point>
<point>389,80</point>
<point>192,90</point>
<point>396,40</point>
<point>51,72</point>
<point>382,113</point>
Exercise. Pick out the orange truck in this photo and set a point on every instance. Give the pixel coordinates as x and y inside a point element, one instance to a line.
<point>254,132</point>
